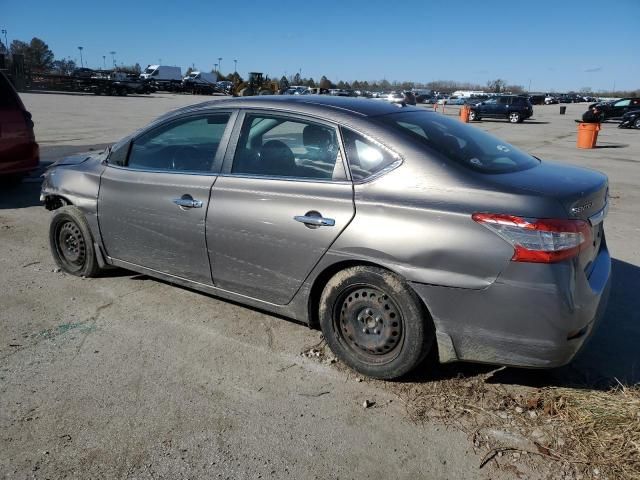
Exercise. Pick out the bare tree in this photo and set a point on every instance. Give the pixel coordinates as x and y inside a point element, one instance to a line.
<point>498,85</point>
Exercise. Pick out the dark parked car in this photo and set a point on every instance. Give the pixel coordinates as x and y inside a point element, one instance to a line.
<point>630,119</point>
<point>515,108</point>
<point>396,230</point>
<point>617,108</point>
<point>19,152</point>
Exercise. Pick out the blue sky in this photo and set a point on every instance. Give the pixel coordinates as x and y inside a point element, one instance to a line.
<point>557,45</point>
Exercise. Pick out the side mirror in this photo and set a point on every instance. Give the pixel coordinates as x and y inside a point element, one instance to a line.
<point>119,153</point>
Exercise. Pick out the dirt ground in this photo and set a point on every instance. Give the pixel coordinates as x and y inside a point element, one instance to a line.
<point>129,377</point>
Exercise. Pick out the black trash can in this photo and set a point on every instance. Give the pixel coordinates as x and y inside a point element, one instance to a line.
<point>563,110</point>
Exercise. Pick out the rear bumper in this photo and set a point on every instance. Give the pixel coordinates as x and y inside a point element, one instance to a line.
<point>20,159</point>
<point>534,315</point>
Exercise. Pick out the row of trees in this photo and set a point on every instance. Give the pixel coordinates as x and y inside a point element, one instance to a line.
<point>40,58</point>
<point>37,53</point>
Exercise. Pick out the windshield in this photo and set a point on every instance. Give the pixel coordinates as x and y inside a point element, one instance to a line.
<point>149,70</point>
<point>460,143</point>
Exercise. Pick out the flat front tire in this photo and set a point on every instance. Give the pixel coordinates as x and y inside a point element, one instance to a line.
<point>374,322</point>
<point>71,242</point>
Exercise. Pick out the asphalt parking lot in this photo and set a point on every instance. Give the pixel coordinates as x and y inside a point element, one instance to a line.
<point>129,377</point>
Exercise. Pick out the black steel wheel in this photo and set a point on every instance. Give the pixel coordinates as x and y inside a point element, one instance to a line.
<point>71,242</point>
<point>374,322</point>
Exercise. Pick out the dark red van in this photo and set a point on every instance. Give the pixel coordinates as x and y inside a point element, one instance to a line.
<point>19,152</point>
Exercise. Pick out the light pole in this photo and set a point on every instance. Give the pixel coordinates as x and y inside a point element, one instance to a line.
<point>6,42</point>
<point>215,67</point>
<point>235,65</point>
<point>113,58</point>
<point>219,64</point>
<point>104,61</point>
<point>81,61</point>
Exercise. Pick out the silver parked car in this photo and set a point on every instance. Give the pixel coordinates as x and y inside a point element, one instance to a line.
<point>394,229</point>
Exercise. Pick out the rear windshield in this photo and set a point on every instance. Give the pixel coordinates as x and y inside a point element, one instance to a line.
<point>467,146</point>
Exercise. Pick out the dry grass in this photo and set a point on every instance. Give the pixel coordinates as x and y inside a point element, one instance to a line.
<point>588,433</point>
<point>596,432</point>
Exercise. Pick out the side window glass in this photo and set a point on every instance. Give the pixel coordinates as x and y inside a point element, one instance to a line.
<point>504,100</point>
<point>365,157</point>
<point>283,147</point>
<point>188,145</point>
<point>491,101</point>
<point>623,103</point>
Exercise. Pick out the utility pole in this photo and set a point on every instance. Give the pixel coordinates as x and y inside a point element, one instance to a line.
<point>81,61</point>
<point>6,42</point>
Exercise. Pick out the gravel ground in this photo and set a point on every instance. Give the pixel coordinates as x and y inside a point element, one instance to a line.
<point>129,377</point>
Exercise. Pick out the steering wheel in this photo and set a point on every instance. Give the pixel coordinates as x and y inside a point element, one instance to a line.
<point>188,157</point>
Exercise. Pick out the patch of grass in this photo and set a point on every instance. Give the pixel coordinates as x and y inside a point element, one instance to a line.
<point>597,432</point>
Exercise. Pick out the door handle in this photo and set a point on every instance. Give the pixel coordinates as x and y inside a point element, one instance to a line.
<point>187,201</point>
<point>315,221</point>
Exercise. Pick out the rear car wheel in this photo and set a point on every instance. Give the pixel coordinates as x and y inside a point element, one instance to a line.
<point>636,123</point>
<point>374,322</point>
<point>515,117</point>
<point>71,242</point>
<point>473,116</point>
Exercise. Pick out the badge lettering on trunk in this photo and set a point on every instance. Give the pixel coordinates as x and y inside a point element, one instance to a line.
<point>581,208</point>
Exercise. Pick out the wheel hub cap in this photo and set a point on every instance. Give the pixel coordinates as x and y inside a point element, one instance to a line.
<point>71,243</point>
<point>369,321</point>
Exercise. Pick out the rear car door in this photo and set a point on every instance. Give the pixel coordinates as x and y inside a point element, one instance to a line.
<point>502,107</point>
<point>152,205</point>
<point>282,200</point>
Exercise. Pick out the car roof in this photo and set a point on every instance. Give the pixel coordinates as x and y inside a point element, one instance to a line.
<point>320,105</point>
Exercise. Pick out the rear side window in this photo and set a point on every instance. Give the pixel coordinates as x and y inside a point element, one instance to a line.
<point>459,143</point>
<point>365,157</point>
<point>284,147</point>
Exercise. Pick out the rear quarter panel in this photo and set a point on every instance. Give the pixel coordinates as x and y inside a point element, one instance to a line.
<point>416,220</point>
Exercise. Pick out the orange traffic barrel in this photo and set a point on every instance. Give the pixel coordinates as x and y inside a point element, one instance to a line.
<point>464,113</point>
<point>587,135</point>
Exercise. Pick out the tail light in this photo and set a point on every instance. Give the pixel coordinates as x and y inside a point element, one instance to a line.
<point>538,240</point>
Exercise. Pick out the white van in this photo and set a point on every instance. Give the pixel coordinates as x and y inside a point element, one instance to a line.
<point>201,78</point>
<point>162,73</point>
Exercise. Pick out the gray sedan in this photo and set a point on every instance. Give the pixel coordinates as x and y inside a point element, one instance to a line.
<point>395,230</point>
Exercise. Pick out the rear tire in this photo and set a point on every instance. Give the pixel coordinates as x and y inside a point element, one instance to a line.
<point>515,117</point>
<point>374,322</point>
<point>636,123</point>
<point>473,116</point>
<point>71,242</point>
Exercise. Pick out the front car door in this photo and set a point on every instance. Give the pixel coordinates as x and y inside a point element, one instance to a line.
<point>488,108</point>
<point>152,204</point>
<point>619,108</point>
<point>282,200</point>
